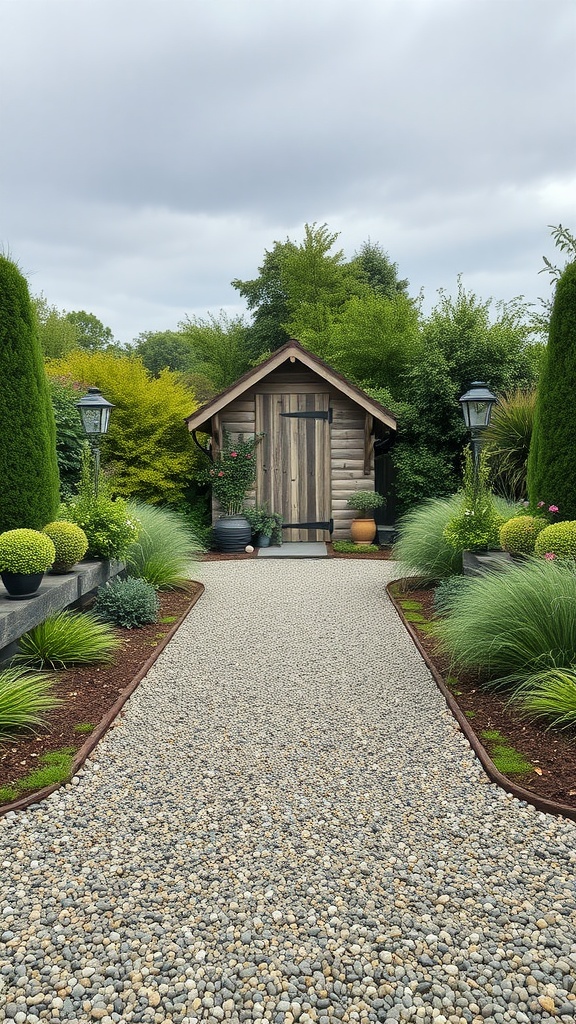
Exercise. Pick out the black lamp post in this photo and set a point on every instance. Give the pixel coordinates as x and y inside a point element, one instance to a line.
<point>477,409</point>
<point>95,413</point>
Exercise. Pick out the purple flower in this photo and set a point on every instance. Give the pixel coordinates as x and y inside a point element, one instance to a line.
<point>553,508</point>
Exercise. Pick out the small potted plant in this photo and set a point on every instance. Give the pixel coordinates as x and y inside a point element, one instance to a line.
<point>266,526</point>
<point>71,544</point>
<point>24,557</point>
<point>363,529</point>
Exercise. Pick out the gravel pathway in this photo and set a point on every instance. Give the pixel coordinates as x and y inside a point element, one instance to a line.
<point>286,825</point>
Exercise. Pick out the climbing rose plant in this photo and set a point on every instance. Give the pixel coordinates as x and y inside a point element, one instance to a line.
<point>233,472</point>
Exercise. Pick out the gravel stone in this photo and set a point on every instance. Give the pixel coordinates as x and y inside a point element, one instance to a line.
<point>285,824</point>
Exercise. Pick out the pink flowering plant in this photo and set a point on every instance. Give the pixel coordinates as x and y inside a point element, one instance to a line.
<point>233,472</point>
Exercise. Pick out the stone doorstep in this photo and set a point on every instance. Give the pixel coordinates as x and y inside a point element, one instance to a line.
<point>55,594</point>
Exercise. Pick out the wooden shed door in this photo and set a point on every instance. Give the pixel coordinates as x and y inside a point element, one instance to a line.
<point>294,461</point>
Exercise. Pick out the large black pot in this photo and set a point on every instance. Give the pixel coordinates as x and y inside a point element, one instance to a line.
<point>21,584</point>
<point>232,533</point>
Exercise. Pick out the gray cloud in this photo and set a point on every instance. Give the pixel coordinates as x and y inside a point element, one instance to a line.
<point>153,150</point>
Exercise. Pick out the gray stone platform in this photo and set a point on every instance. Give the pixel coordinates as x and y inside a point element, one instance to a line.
<point>55,593</point>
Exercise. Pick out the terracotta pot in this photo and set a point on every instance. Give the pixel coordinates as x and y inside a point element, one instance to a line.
<point>363,531</point>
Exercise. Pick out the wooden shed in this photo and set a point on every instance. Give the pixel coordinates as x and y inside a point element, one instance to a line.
<point>319,436</point>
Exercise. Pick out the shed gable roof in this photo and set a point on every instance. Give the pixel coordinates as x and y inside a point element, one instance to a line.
<point>199,420</point>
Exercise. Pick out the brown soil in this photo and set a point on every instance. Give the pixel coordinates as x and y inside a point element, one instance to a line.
<point>552,753</point>
<point>88,693</point>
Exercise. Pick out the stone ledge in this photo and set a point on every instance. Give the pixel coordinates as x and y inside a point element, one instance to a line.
<point>55,593</point>
<point>475,563</point>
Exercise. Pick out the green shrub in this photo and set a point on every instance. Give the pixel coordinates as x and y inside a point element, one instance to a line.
<point>70,542</point>
<point>163,552</point>
<point>447,592</point>
<point>128,603</point>
<point>348,547</point>
<point>551,695</point>
<point>513,622</point>
<point>365,502</point>
<point>552,459</point>
<point>70,436</point>
<point>477,523</point>
<point>25,551</point>
<point>518,535</point>
<point>28,467</point>
<point>558,539</point>
<point>67,638</point>
<point>24,697</point>
<point>421,545</point>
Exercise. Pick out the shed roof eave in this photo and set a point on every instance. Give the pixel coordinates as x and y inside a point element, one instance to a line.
<point>201,419</point>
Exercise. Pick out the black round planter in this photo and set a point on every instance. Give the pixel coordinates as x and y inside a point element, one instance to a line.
<point>21,584</point>
<point>262,541</point>
<point>232,533</point>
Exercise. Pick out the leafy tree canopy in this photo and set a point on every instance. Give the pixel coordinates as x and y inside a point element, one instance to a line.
<point>218,347</point>
<point>57,334</point>
<point>92,334</point>
<point>164,350</point>
<point>148,450</point>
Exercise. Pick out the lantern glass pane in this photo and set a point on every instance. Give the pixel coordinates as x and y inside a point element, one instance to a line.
<point>479,413</point>
<point>90,420</point>
<point>105,416</point>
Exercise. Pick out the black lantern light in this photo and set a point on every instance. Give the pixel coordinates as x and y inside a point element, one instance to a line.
<point>477,409</point>
<point>95,412</point>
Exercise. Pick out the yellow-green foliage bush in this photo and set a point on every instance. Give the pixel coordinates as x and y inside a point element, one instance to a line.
<point>25,551</point>
<point>558,539</point>
<point>518,535</point>
<point>70,541</point>
<point>148,449</point>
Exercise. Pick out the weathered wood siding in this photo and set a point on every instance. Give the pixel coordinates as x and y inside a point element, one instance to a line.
<point>350,450</point>
<point>348,461</point>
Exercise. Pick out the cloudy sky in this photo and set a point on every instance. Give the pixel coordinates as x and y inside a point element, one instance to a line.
<point>151,150</point>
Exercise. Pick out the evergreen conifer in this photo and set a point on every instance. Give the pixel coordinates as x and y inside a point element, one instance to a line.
<point>28,466</point>
<point>552,458</point>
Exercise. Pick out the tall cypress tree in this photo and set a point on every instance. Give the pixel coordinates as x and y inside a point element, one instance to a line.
<point>552,458</point>
<point>28,466</point>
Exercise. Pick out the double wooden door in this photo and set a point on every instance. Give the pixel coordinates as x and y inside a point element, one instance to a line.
<point>294,461</point>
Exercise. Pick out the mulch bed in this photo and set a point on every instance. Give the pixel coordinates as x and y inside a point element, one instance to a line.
<point>552,753</point>
<point>89,692</point>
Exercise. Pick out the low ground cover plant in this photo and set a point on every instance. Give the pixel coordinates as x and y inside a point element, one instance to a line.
<point>128,603</point>
<point>348,547</point>
<point>67,638</point>
<point>54,766</point>
<point>163,552</point>
<point>24,698</point>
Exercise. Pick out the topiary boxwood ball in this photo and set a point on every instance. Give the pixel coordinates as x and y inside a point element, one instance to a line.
<point>25,551</point>
<point>71,544</point>
<point>519,534</point>
<point>558,539</point>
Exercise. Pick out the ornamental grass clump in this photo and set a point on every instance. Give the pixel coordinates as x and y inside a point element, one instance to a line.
<point>556,541</point>
<point>67,638</point>
<point>421,545</point>
<point>70,542</point>
<point>515,622</point>
<point>25,697</point>
<point>164,550</point>
<point>128,603</point>
<point>550,695</point>
<point>25,551</point>
<point>518,535</point>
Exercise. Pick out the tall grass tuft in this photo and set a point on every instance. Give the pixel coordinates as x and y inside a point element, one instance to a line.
<point>421,545</point>
<point>551,695</point>
<point>24,697</point>
<point>507,440</point>
<point>67,638</point>
<point>165,549</point>
<point>514,622</point>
